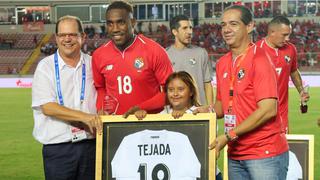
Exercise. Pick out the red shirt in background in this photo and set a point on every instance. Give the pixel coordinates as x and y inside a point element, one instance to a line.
<point>285,61</point>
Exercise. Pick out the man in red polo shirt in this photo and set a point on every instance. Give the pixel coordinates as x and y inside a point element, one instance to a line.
<point>284,57</point>
<point>129,70</point>
<point>247,99</point>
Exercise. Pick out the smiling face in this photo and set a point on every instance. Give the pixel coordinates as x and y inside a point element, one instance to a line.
<point>179,94</point>
<point>69,39</point>
<point>234,31</point>
<point>120,27</point>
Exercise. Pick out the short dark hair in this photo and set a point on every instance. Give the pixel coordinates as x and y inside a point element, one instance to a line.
<point>68,17</point>
<point>279,20</point>
<point>189,81</point>
<point>120,5</point>
<point>174,22</point>
<point>246,14</point>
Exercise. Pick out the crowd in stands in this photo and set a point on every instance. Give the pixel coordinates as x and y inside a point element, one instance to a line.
<point>305,35</point>
<point>48,48</point>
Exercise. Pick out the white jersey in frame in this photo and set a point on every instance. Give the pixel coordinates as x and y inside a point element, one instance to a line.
<point>153,155</point>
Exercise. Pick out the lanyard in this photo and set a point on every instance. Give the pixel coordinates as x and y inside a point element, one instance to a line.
<point>233,71</point>
<point>58,82</point>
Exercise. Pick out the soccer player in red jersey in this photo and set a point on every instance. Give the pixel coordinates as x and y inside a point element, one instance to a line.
<point>130,70</point>
<point>284,57</point>
<point>247,100</point>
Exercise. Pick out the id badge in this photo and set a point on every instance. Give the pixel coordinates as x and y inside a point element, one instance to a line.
<point>78,134</point>
<point>229,122</point>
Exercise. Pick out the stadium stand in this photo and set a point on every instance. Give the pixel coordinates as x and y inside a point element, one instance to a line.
<point>207,31</point>
<point>305,36</point>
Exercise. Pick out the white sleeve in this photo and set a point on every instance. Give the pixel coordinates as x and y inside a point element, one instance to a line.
<point>43,88</point>
<point>124,163</point>
<point>192,166</point>
<point>118,159</point>
<point>294,168</point>
<point>206,67</point>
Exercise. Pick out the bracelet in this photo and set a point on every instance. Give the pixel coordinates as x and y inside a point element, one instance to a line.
<point>233,135</point>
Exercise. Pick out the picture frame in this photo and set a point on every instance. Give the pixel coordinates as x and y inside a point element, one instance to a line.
<point>200,130</point>
<point>301,145</point>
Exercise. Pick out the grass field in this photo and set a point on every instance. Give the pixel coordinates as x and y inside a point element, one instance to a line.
<point>20,154</point>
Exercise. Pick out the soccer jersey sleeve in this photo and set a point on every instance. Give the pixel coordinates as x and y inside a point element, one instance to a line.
<point>99,81</point>
<point>162,68</point>
<point>294,65</point>
<point>190,164</point>
<point>206,67</point>
<point>218,74</point>
<point>121,164</point>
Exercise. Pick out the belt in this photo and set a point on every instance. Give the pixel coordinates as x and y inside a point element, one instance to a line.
<point>70,142</point>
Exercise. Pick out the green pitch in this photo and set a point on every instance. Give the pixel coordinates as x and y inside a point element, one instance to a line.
<point>20,154</point>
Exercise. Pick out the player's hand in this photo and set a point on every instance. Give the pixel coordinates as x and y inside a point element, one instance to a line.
<point>93,122</point>
<point>177,114</point>
<point>304,96</point>
<point>140,114</point>
<point>132,110</point>
<point>218,144</point>
<point>201,109</point>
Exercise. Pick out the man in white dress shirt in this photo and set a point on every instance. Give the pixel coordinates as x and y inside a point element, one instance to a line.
<point>63,103</point>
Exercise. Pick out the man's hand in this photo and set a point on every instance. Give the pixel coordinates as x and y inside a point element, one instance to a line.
<point>201,109</point>
<point>218,144</point>
<point>93,122</point>
<point>304,96</point>
<point>131,111</point>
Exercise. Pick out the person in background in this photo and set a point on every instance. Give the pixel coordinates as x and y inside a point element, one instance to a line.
<point>284,57</point>
<point>190,58</point>
<point>130,70</point>
<point>63,103</point>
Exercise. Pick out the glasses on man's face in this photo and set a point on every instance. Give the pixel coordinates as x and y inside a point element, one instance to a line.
<point>71,35</point>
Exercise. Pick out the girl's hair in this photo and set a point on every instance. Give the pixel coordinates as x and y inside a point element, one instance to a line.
<point>189,81</point>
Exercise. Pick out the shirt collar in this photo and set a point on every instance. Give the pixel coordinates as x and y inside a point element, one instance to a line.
<point>62,64</point>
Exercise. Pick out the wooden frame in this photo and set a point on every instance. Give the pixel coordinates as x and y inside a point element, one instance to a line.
<point>301,145</point>
<point>200,129</point>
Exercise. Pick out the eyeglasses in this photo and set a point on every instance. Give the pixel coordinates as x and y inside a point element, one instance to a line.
<point>71,35</point>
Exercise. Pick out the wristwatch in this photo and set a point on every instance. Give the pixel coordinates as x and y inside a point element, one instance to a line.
<point>231,135</point>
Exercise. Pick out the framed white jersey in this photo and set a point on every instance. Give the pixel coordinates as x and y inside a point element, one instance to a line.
<point>155,154</point>
<point>157,147</point>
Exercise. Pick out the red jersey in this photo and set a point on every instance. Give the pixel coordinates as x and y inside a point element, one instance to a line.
<point>132,76</point>
<point>285,61</point>
<point>255,80</point>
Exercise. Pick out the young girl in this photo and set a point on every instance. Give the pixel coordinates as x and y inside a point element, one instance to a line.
<point>181,95</point>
